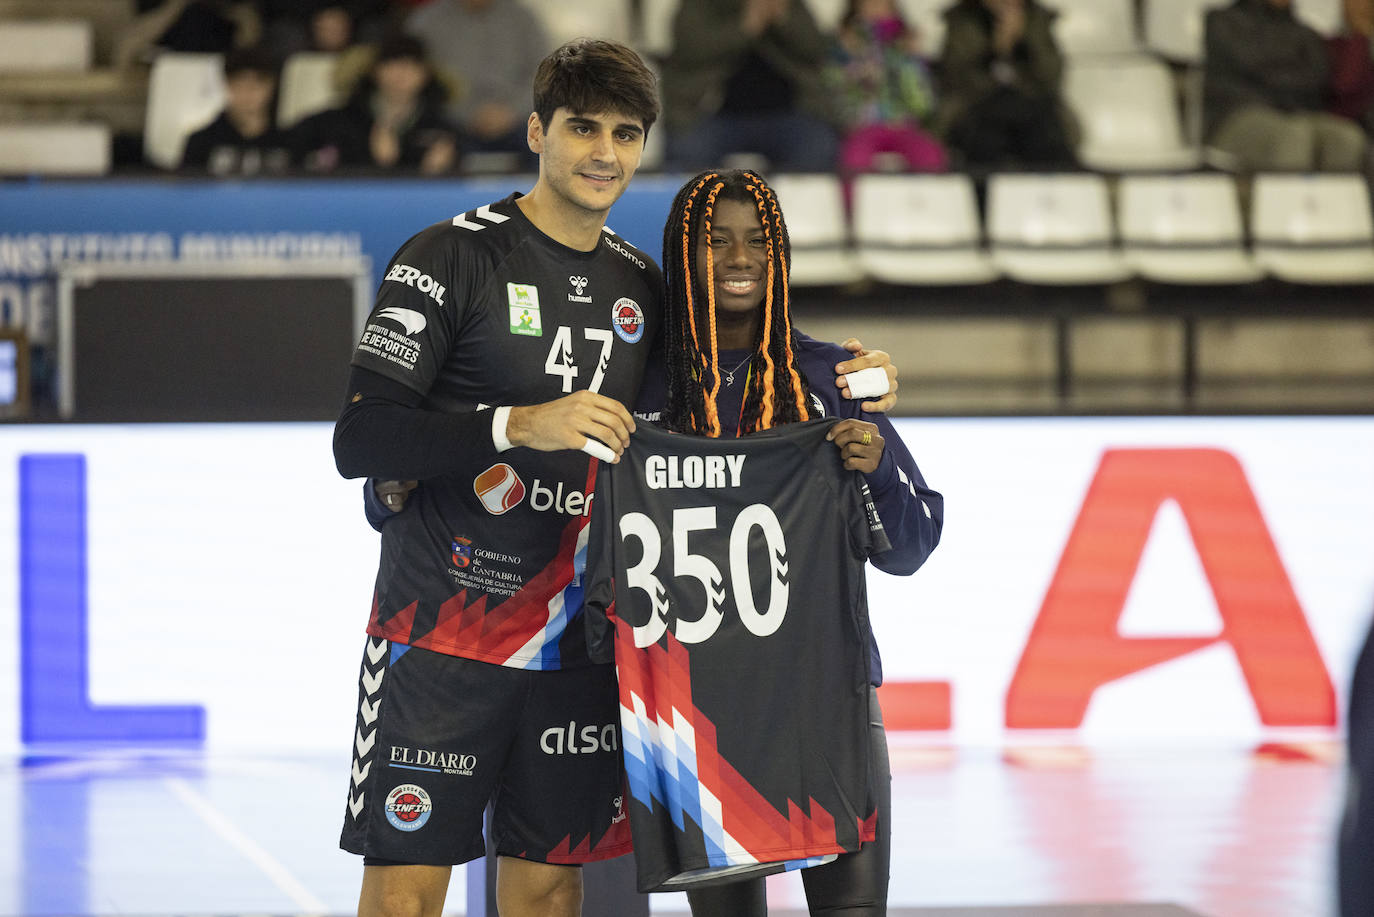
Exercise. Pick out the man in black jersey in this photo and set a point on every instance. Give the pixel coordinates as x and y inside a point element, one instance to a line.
<point>502,349</point>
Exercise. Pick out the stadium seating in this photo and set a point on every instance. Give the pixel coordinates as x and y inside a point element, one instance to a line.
<point>920,229</point>
<point>600,18</point>
<point>1184,229</point>
<point>1053,229</point>
<point>185,92</point>
<point>656,27</point>
<point>1174,28</point>
<point>1095,27</point>
<point>1128,112</point>
<point>816,223</point>
<point>50,44</point>
<point>927,17</point>
<point>1313,229</point>
<point>307,86</point>
<point>1326,16</point>
<point>54,148</point>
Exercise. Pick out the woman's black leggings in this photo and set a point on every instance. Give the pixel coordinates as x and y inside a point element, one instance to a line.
<point>854,885</point>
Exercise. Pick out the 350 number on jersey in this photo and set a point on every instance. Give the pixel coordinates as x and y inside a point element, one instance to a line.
<point>698,625</point>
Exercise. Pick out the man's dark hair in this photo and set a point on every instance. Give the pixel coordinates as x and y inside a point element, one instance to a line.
<point>589,75</point>
<point>250,60</point>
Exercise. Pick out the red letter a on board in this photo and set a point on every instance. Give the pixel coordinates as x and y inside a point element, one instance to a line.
<point>1075,646</point>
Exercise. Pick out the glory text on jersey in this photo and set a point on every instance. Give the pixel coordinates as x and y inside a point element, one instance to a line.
<point>677,471</point>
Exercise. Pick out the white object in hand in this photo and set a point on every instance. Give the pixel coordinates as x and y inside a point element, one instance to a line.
<point>598,450</point>
<point>867,383</point>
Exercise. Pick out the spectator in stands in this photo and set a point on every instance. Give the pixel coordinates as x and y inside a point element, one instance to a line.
<point>1000,105</point>
<point>886,92</point>
<point>244,139</point>
<point>1352,66</point>
<point>394,120</point>
<point>203,26</point>
<point>330,26</point>
<point>746,76</point>
<point>488,48</point>
<point>1265,81</point>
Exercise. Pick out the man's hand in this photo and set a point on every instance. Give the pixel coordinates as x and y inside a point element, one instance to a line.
<point>861,445</point>
<point>865,359</point>
<point>393,494</point>
<point>570,423</point>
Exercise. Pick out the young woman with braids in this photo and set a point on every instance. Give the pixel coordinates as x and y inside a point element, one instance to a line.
<point>734,364</point>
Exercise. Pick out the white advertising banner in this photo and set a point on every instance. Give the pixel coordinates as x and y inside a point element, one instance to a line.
<point>1098,581</point>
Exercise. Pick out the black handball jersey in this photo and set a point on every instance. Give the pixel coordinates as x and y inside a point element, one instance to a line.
<point>728,576</point>
<point>481,311</point>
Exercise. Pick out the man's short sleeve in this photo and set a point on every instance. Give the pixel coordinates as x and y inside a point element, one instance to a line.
<point>412,326</point>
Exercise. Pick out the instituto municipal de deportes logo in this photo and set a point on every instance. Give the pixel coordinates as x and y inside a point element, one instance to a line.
<point>408,807</point>
<point>499,488</point>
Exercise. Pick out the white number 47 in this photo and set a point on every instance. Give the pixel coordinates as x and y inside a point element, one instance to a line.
<point>560,360</point>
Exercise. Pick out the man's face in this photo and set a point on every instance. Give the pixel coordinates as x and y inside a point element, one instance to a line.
<point>587,159</point>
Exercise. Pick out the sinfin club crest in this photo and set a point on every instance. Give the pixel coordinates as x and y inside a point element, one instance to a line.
<point>627,318</point>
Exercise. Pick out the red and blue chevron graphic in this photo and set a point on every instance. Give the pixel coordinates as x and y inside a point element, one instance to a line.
<point>672,761</point>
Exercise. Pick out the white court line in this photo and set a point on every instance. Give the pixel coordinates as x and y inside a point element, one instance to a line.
<point>305,902</point>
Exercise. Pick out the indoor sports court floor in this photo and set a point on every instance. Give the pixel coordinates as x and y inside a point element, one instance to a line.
<point>1021,832</point>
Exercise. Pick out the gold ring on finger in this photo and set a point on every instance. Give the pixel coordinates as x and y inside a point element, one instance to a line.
<point>868,437</point>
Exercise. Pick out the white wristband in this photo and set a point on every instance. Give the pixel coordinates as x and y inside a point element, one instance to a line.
<point>499,418</point>
<point>867,383</point>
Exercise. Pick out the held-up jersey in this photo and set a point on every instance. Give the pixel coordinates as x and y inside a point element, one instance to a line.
<point>728,574</point>
<point>912,513</point>
<point>481,311</point>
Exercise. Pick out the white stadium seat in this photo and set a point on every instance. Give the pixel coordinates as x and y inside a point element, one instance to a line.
<point>656,27</point>
<point>1174,28</point>
<point>813,206</point>
<point>920,229</point>
<point>1128,112</point>
<point>1053,229</point>
<point>1094,27</point>
<point>1326,16</point>
<point>569,19</point>
<point>1313,229</point>
<point>1184,229</point>
<point>47,44</point>
<point>927,17</point>
<point>56,148</point>
<point>307,86</point>
<point>185,93</point>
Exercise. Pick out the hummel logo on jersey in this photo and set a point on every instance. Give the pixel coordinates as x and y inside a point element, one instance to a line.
<point>481,213</point>
<point>579,284</point>
<point>412,321</point>
<point>414,277</point>
<point>674,471</point>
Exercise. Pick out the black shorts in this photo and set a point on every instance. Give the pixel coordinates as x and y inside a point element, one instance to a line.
<point>439,736</point>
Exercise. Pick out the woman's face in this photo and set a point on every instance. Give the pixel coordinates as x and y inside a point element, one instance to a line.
<point>740,252</point>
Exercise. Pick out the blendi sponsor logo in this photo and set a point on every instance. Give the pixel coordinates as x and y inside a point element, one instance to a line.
<point>707,471</point>
<point>575,740</point>
<point>414,277</point>
<point>501,490</point>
